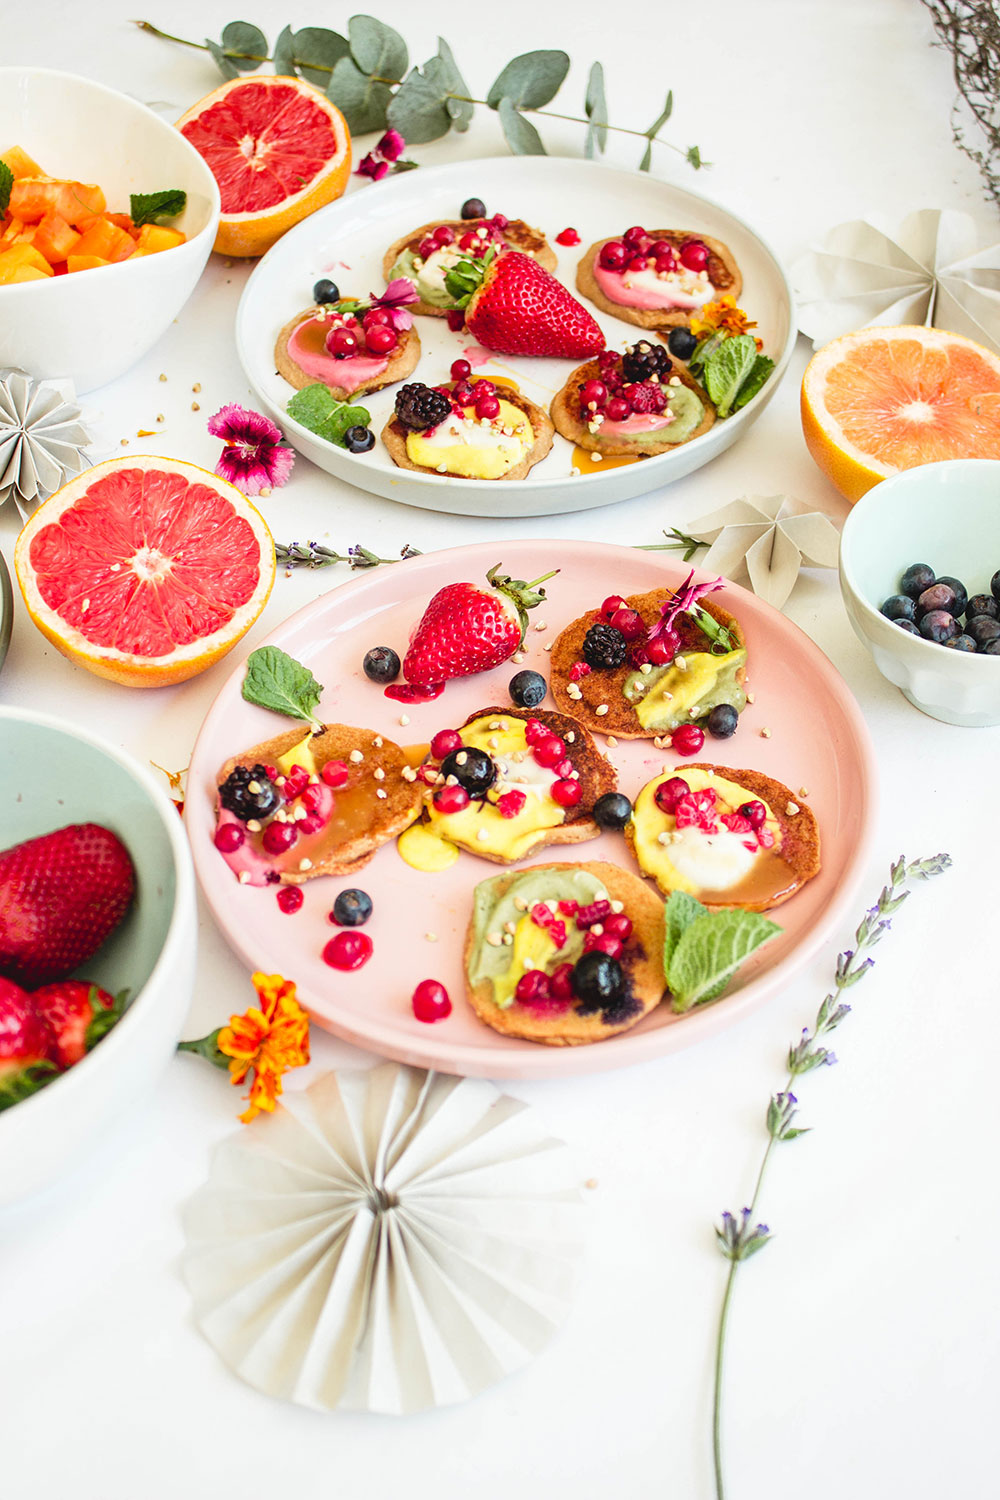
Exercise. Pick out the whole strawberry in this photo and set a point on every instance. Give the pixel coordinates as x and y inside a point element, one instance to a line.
<point>27,1046</point>
<point>520,308</point>
<point>69,1008</point>
<point>61,895</point>
<point>468,628</point>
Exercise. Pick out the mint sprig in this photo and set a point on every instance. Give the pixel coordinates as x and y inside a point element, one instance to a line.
<point>6,183</point>
<point>150,208</point>
<point>702,949</point>
<point>316,409</point>
<point>727,369</point>
<point>277,681</point>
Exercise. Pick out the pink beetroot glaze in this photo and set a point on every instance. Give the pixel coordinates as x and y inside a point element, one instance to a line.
<point>636,422</point>
<point>648,299</point>
<point>347,374</point>
<point>250,858</point>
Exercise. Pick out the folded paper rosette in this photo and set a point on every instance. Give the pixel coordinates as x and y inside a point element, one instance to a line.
<point>385,1241</point>
<point>42,437</point>
<point>932,269</point>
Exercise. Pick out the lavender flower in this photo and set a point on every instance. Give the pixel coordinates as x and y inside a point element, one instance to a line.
<point>253,458</point>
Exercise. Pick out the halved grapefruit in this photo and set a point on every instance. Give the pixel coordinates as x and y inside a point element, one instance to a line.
<point>884,399</point>
<point>277,148</point>
<point>145,570</point>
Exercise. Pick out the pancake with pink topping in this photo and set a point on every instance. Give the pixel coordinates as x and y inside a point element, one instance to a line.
<point>302,358</point>
<point>642,288</point>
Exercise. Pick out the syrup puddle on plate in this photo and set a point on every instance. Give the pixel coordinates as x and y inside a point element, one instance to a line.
<point>585,462</point>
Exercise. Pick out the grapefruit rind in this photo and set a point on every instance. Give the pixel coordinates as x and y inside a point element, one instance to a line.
<point>179,662</point>
<point>972,393</point>
<point>324,174</point>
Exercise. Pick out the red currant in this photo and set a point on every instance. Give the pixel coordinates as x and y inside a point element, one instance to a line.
<point>614,256</point>
<point>633,235</point>
<point>629,622</point>
<point>444,742</point>
<point>342,343</point>
<point>348,950</point>
<point>229,837</point>
<point>593,393</point>
<point>637,263</point>
<point>561,982</point>
<point>694,255</point>
<point>431,1001</point>
<point>377,315</point>
<point>460,369</point>
<point>443,235</point>
<point>566,793</point>
<point>687,739</point>
<point>278,838</point>
<point>549,750</point>
<point>427,246</point>
<point>618,925</point>
<point>568,237</point>
<point>617,409</point>
<point>451,799</point>
<point>335,773</point>
<point>379,339</point>
<point>664,265</point>
<point>290,898</point>
<point>660,651</point>
<point>612,603</point>
<point>670,792</point>
<point>487,406</point>
<point>532,985</point>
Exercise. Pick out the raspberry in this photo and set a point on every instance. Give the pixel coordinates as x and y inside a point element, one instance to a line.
<point>645,398</point>
<point>510,804</point>
<point>577,670</point>
<point>595,912</point>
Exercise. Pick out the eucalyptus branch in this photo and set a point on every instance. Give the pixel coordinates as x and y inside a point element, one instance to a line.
<point>738,1236</point>
<point>360,74</point>
<point>313,555</point>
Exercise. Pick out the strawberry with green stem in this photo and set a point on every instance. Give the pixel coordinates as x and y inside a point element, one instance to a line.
<point>514,306</point>
<point>27,1046</point>
<point>469,628</point>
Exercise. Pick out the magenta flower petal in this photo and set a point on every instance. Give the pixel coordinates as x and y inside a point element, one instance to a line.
<point>400,318</point>
<point>391,146</point>
<point>238,425</point>
<point>397,294</point>
<point>252,459</point>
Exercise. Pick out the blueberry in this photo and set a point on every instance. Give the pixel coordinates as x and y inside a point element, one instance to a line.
<point>900,607</point>
<point>722,721</point>
<point>598,980</point>
<point>352,908</point>
<point>359,439</point>
<point>995,585</point>
<point>527,689</point>
<point>908,626</point>
<point>472,768</point>
<point>982,604</point>
<point>958,589</point>
<point>381,664</point>
<point>940,596</point>
<point>961,643</point>
<point>992,648</point>
<point>917,577</point>
<point>326,291</point>
<point>612,810</point>
<point>473,208</point>
<point>982,628</point>
<point>681,342</point>
<point>938,625</point>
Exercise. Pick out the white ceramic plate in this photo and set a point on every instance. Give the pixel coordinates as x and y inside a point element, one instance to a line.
<point>347,240</point>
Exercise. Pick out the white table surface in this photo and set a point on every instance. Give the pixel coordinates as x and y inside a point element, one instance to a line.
<point>864,1340</point>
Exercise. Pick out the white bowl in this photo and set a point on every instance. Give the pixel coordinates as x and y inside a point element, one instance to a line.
<point>948,516</point>
<point>52,774</point>
<point>94,325</point>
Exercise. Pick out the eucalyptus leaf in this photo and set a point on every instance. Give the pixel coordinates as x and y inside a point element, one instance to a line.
<point>377,49</point>
<point>362,102</point>
<point>317,53</point>
<point>519,133</point>
<point>663,116</point>
<point>461,109</point>
<point>693,158</point>
<point>418,109</point>
<point>243,38</point>
<point>647,158</point>
<point>222,62</point>
<point>284,54</point>
<point>596,109</point>
<point>529,81</point>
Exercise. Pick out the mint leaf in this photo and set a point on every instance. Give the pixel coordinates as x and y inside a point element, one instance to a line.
<point>710,950</point>
<point>277,681</point>
<point>681,911</point>
<point>323,414</point>
<point>150,208</point>
<point>726,370</point>
<point>759,372</point>
<point>6,183</point>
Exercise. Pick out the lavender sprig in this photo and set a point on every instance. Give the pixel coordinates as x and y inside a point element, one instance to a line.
<point>680,542</point>
<point>737,1236</point>
<point>313,555</point>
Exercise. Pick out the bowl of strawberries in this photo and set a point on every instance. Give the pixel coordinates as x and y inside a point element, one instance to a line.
<point>97,942</point>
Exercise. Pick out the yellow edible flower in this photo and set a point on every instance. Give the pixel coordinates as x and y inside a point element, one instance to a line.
<point>269,1039</point>
<point>724,315</point>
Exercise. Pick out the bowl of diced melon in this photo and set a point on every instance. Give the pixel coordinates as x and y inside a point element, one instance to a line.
<point>107,218</point>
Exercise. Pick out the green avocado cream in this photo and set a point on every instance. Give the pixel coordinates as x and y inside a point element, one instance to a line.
<point>688,412</point>
<point>504,964</point>
<point>431,287</point>
<point>664,698</point>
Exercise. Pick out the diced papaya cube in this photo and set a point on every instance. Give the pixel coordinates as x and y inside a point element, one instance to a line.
<point>20,162</point>
<point>27,273</point>
<point>19,257</point>
<point>84,262</point>
<point>156,237</point>
<point>11,229</point>
<point>122,246</point>
<point>54,238</point>
<point>26,236</point>
<point>124,221</point>
<point>97,239</point>
<point>31,198</point>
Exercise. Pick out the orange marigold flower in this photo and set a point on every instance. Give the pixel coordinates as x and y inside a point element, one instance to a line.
<point>723,314</point>
<point>269,1039</point>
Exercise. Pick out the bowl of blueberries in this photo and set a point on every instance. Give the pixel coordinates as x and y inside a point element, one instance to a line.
<point>920,576</point>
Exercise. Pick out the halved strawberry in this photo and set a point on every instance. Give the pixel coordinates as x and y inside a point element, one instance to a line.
<point>468,628</point>
<point>61,895</point>
<point>27,1046</point>
<point>518,307</point>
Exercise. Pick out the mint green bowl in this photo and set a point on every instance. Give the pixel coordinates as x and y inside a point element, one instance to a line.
<point>6,609</point>
<point>53,773</point>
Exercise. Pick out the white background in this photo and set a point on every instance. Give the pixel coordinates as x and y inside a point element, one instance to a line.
<point>863,1347</point>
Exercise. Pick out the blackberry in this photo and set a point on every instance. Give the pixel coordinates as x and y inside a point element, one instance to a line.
<point>249,793</point>
<point>644,360</point>
<point>604,647</point>
<point>419,407</point>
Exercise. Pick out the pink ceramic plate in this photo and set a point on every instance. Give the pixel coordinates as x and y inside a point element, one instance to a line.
<point>817,741</point>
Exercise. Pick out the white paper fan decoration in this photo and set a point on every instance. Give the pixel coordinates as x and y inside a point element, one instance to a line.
<point>41,437</point>
<point>385,1241</point>
<point>932,269</point>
